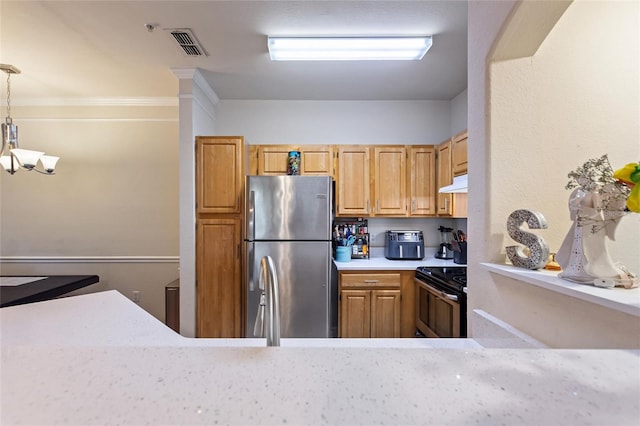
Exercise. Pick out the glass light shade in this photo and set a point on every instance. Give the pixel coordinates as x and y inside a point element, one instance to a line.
<point>49,162</point>
<point>348,48</point>
<point>9,133</point>
<point>27,158</point>
<point>5,160</point>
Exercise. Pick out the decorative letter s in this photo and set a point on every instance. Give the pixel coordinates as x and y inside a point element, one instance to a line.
<point>538,249</point>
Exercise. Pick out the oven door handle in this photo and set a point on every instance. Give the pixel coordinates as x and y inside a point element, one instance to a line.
<point>443,294</point>
<point>449,296</point>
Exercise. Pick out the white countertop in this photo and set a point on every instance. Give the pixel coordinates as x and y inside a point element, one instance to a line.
<point>100,359</point>
<point>377,262</point>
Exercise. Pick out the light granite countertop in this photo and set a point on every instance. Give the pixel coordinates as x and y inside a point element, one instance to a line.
<point>100,359</point>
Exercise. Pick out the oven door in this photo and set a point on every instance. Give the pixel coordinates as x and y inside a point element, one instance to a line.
<point>437,312</point>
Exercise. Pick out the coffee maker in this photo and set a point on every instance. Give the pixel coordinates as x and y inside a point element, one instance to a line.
<point>445,251</point>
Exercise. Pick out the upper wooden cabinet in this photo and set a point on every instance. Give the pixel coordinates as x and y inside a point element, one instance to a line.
<point>444,177</point>
<point>390,180</point>
<point>219,174</point>
<point>272,159</point>
<point>450,205</point>
<point>377,180</point>
<point>353,193</point>
<point>315,160</point>
<point>386,180</point>
<point>422,180</point>
<point>459,156</point>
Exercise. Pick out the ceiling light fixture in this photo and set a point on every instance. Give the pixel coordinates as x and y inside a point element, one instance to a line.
<point>11,157</point>
<point>348,48</point>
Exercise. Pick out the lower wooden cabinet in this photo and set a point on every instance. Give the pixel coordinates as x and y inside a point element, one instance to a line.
<point>370,305</point>
<point>370,313</point>
<point>218,277</point>
<point>377,304</point>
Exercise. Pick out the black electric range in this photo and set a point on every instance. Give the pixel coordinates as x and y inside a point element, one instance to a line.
<point>452,279</point>
<point>442,301</point>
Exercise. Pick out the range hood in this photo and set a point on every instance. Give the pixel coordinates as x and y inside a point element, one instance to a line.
<point>459,186</point>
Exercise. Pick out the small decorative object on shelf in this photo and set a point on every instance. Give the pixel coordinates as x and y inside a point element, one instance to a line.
<point>293,163</point>
<point>600,198</point>
<point>552,265</point>
<point>538,250</point>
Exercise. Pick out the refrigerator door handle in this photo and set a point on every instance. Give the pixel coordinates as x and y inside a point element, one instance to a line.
<point>251,262</point>
<point>251,216</point>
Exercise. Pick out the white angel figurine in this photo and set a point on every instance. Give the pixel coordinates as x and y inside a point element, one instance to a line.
<point>583,255</point>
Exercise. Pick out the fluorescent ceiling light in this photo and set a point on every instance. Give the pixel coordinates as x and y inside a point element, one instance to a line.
<point>348,48</point>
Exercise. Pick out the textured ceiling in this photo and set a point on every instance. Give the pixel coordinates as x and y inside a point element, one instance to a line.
<point>76,49</point>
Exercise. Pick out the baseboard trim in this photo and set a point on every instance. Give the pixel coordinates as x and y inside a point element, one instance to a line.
<point>89,259</point>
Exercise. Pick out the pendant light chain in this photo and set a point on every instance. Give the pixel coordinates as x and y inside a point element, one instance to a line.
<point>9,95</point>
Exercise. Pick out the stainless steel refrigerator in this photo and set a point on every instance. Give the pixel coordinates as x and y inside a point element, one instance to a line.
<point>289,218</point>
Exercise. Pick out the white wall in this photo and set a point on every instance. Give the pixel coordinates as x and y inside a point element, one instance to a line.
<point>458,113</point>
<point>575,98</point>
<point>111,209</point>
<point>335,122</point>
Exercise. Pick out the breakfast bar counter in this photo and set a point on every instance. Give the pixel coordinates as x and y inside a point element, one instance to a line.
<point>100,359</point>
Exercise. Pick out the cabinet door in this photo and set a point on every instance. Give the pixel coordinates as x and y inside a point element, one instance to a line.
<point>390,180</point>
<point>251,160</point>
<point>316,160</point>
<point>444,178</point>
<point>272,159</point>
<point>422,181</point>
<point>459,154</point>
<point>385,313</point>
<point>218,278</point>
<point>353,181</point>
<point>355,313</point>
<point>219,174</point>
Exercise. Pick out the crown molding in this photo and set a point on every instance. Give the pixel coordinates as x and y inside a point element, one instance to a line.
<point>114,101</point>
<point>195,75</point>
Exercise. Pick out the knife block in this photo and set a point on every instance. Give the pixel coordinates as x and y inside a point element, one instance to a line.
<point>460,257</point>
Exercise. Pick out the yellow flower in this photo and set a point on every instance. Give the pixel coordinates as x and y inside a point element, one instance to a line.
<point>630,176</point>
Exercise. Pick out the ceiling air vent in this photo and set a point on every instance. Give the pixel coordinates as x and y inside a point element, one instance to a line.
<point>187,42</point>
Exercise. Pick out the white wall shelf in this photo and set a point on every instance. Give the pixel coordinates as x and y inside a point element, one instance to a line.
<point>618,298</point>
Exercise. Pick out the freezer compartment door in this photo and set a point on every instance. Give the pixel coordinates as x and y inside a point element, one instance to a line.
<point>303,270</point>
<point>288,208</point>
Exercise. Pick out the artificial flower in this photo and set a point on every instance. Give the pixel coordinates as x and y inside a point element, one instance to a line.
<point>630,176</point>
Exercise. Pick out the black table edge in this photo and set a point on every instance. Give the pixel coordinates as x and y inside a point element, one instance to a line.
<point>49,288</point>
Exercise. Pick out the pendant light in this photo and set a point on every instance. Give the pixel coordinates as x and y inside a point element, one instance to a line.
<point>13,158</point>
